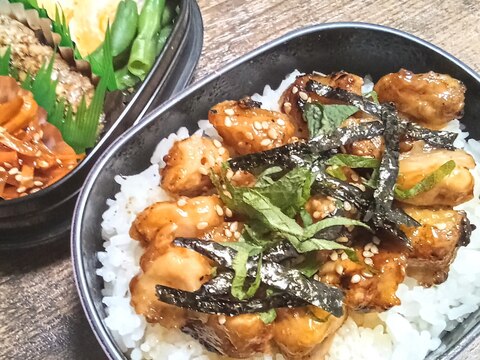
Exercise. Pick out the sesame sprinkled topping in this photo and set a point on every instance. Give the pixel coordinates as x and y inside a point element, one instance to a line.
<point>367,274</point>
<point>2,169</point>
<point>249,135</point>
<point>181,202</point>
<point>13,171</point>
<point>367,254</point>
<point>228,212</point>
<point>441,226</point>
<point>228,233</point>
<point>227,194</point>
<point>219,210</point>
<point>376,240</point>
<point>342,239</point>
<point>334,256</point>
<point>34,190</point>
<point>303,95</point>
<point>265,142</point>
<point>222,319</point>
<point>317,214</point>
<point>221,150</point>
<point>19,177</point>
<point>237,235</point>
<point>287,107</point>
<point>294,90</point>
<point>265,125</point>
<point>217,143</point>
<point>272,134</point>
<point>228,121</point>
<point>355,177</point>
<point>234,226</point>
<point>59,162</point>
<point>43,164</point>
<point>173,227</point>
<point>374,249</point>
<point>257,125</point>
<point>202,225</point>
<point>316,277</point>
<point>368,261</point>
<point>229,174</point>
<point>281,122</point>
<point>21,189</point>
<point>344,256</point>
<point>229,112</point>
<point>339,269</point>
<point>7,164</point>
<point>356,279</point>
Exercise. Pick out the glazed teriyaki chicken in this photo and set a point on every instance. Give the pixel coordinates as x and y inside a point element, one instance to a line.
<point>298,218</point>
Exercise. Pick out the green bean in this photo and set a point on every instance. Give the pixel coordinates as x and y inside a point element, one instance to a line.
<point>125,79</point>
<point>143,53</point>
<point>163,37</point>
<point>124,27</point>
<point>123,30</point>
<point>168,15</point>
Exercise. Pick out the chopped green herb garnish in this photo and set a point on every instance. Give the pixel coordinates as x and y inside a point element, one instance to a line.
<point>323,119</point>
<point>268,317</point>
<point>5,62</point>
<point>353,161</point>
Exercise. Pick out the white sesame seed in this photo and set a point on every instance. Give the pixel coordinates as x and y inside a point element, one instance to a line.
<point>367,246</point>
<point>249,135</point>
<point>219,210</point>
<point>257,125</point>
<point>342,239</point>
<point>347,206</point>
<point>350,228</point>
<point>2,169</point>
<point>70,167</point>
<point>368,261</point>
<point>367,254</point>
<point>294,90</point>
<point>229,174</point>
<point>229,112</point>
<point>21,189</point>
<point>217,143</point>
<point>202,225</point>
<point>355,177</point>
<point>265,142</point>
<point>281,122</point>
<point>316,277</point>
<point>287,107</point>
<point>334,256</point>
<point>222,319</point>
<point>339,269</point>
<point>344,256</point>
<point>441,226</point>
<point>272,134</point>
<point>367,274</point>
<point>361,187</point>
<point>234,226</point>
<point>228,121</point>
<point>19,177</point>
<point>265,125</point>
<point>174,227</point>
<point>376,240</point>
<point>7,164</point>
<point>317,214</point>
<point>43,164</point>
<point>221,150</point>
<point>34,190</point>
<point>202,170</point>
<point>228,233</point>
<point>13,171</point>
<point>237,235</point>
<point>38,153</point>
<point>303,95</point>
<point>59,162</point>
<point>181,202</point>
<point>228,212</point>
<point>356,279</point>
<point>374,249</point>
<point>227,194</point>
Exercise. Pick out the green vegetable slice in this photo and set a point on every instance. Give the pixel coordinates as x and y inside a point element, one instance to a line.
<point>5,62</point>
<point>269,316</point>
<point>323,119</point>
<point>427,183</point>
<point>353,161</point>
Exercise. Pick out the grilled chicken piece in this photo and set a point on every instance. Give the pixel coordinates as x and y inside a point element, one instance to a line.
<point>370,147</point>
<point>370,284</point>
<point>188,164</point>
<point>29,55</point>
<point>247,129</point>
<point>434,243</point>
<point>298,332</point>
<point>431,99</point>
<point>419,162</point>
<point>291,96</point>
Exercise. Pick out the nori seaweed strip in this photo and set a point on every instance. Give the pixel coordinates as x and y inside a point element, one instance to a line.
<point>301,153</point>
<point>440,139</point>
<point>213,304</point>
<point>219,285</point>
<point>275,275</point>
<point>384,195</point>
<point>279,252</point>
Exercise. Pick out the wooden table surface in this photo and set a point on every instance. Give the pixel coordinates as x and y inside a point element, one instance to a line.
<point>40,314</point>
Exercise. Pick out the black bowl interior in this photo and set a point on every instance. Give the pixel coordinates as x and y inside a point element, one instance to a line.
<point>358,48</point>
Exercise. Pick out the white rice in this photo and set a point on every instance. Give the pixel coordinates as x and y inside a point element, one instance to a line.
<point>408,331</point>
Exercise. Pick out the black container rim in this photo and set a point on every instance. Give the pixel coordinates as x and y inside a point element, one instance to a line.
<point>184,12</point>
<point>96,322</point>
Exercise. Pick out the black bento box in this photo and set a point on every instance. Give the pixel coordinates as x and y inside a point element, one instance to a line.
<point>358,48</point>
<point>47,214</point>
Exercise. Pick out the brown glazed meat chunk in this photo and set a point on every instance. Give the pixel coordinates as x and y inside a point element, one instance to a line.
<point>430,99</point>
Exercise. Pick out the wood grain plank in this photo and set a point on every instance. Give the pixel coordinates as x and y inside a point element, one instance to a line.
<point>40,315</point>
